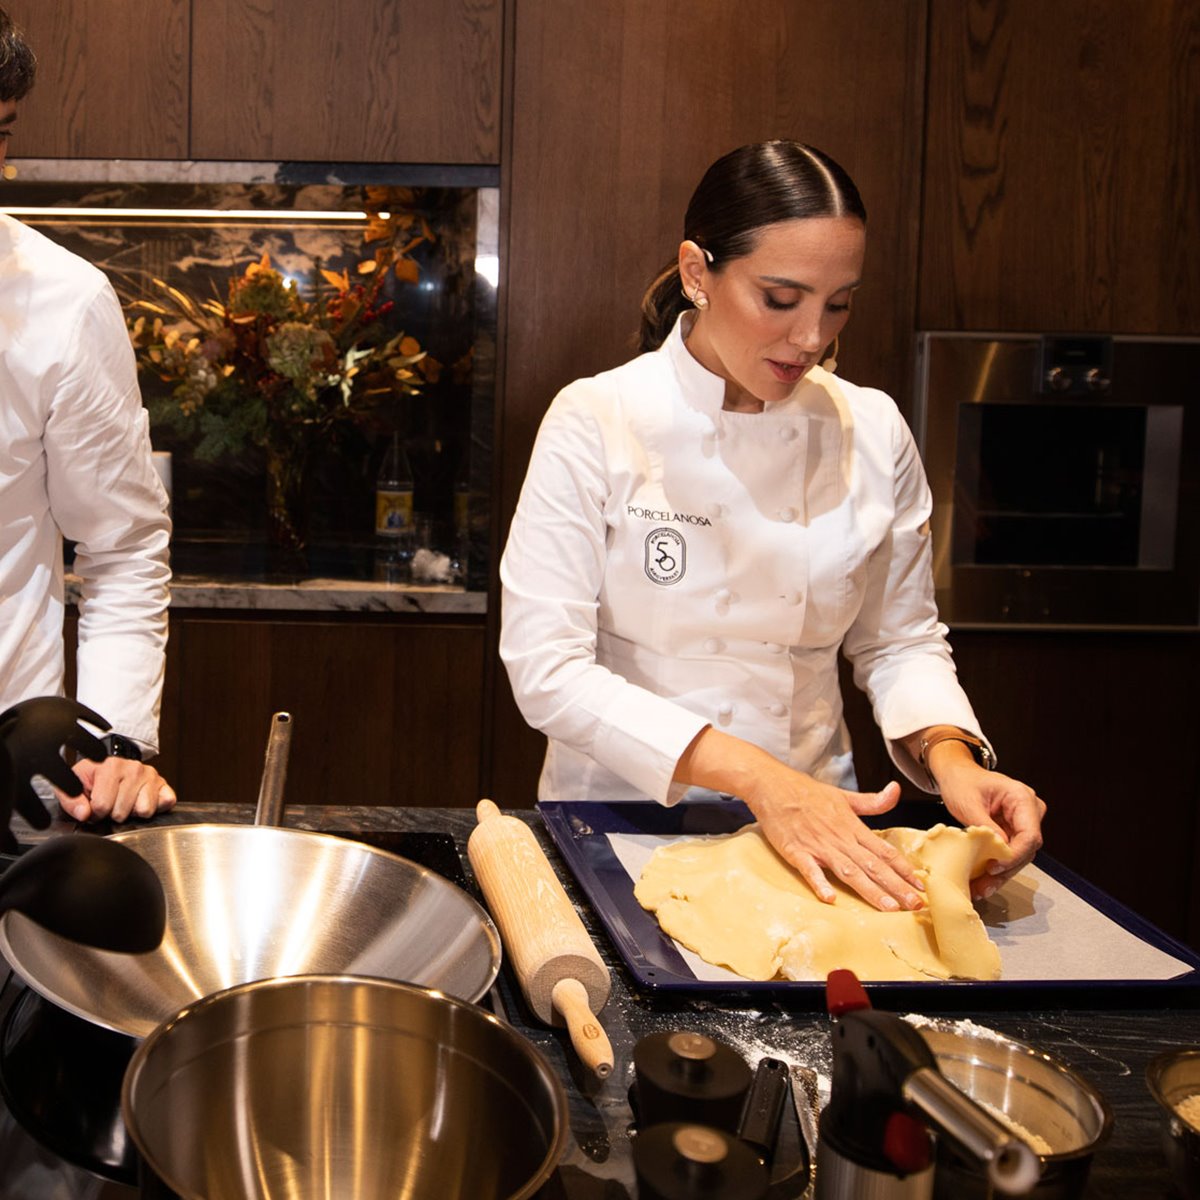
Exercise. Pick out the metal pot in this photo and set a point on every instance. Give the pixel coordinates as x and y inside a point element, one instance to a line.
<point>248,902</point>
<point>1027,1089</point>
<point>1173,1077</point>
<point>322,1087</point>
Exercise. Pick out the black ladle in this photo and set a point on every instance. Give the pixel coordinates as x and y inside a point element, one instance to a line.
<point>90,890</point>
<point>78,886</point>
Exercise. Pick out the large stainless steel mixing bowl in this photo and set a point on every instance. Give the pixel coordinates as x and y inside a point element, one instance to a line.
<point>248,902</point>
<point>323,1088</point>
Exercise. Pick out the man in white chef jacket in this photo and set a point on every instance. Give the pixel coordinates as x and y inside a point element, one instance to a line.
<point>75,461</point>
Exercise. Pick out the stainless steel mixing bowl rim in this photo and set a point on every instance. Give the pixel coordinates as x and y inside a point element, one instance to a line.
<point>1154,1071</point>
<point>343,846</point>
<point>558,1093</point>
<point>333,840</point>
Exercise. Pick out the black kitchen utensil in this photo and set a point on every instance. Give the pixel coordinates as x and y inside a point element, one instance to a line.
<point>89,889</point>
<point>677,1161</point>
<point>689,1078</point>
<point>759,1124</point>
<point>86,889</point>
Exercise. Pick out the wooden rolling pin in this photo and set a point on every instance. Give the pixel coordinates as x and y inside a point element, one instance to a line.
<point>556,964</point>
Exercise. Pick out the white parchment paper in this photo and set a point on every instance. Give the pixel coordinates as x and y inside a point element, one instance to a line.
<point>1045,931</point>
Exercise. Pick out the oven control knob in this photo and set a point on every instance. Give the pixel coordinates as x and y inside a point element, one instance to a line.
<point>1097,381</point>
<point>1057,380</point>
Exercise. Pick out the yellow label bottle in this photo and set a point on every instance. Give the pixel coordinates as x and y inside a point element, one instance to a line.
<point>394,493</point>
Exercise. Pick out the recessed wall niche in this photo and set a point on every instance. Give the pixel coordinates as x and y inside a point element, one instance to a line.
<point>197,236</point>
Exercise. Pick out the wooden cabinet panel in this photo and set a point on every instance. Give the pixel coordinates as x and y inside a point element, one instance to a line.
<point>360,80</point>
<point>112,78</point>
<point>617,108</point>
<point>1062,170</point>
<point>385,712</point>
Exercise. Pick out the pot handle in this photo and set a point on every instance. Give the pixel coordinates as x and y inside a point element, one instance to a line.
<point>270,792</point>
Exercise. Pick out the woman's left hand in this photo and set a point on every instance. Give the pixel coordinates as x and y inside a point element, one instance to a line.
<point>1008,806</point>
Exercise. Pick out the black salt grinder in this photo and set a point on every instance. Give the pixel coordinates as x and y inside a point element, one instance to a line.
<point>689,1078</point>
<point>676,1161</point>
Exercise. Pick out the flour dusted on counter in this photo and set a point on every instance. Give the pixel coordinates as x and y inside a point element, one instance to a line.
<point>733,900</point>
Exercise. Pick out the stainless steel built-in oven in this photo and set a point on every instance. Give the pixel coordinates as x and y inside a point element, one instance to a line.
<point>1064,471</point>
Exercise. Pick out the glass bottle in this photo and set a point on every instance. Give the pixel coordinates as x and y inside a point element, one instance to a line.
<point>394,510</point>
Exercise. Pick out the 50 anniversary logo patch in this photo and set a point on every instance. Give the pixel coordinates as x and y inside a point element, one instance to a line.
<point>666,555</point>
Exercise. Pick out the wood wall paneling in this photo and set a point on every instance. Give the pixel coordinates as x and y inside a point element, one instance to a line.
<point>112,79</point>
<point>385,713</point>
<point>1102,725</point>
<point>357,81</point>
<point>1062,174</point>
<point>617,107</point>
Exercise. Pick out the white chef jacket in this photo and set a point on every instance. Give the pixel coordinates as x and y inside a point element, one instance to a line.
<point>75,460</point>
<point>672,565</point>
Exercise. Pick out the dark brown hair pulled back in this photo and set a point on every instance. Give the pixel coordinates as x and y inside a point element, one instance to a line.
<point>741,193</point>
<point>17,63</point>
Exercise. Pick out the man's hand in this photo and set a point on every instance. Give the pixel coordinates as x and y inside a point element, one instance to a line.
<point>118,788</point>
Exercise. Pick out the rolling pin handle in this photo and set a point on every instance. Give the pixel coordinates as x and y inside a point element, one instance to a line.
<point>486,809</point>
<point>591,1043</point>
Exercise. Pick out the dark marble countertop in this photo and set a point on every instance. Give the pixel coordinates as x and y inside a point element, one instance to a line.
<point>1109,1047</point>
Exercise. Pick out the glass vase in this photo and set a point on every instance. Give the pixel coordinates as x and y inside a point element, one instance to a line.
<point>287,496</point>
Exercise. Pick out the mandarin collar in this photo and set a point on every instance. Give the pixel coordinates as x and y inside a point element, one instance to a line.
<point>706,390</point>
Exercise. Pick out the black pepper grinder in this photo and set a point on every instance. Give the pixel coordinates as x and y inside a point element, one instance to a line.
<point>678,1161</point>
<point>690,1078</point>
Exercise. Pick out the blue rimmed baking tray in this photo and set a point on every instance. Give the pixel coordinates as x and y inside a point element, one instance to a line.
<point>581,832</point>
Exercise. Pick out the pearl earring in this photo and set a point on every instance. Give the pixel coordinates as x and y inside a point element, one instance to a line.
<point>699,299</point>
<point>830,364</point>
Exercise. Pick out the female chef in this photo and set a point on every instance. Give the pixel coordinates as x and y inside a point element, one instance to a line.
<point>702,529</point>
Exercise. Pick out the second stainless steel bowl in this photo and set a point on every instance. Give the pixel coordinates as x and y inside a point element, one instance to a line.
<point>1033,1092</point>
<point>323,1088</point>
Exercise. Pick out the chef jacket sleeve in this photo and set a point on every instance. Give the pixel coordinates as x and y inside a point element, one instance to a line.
<point>106,496</point>
<point>551,575</point>
<point>896,644</point>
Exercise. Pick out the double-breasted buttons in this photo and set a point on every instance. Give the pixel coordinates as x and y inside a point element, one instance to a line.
<point>713,645</point>
<point>778,710</point>
<point>724,713</point>
<point>787,514</point>
<point>793,597</point>
<point>788,433</point>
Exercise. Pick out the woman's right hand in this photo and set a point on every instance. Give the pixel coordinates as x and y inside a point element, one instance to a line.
<point>814,826</point>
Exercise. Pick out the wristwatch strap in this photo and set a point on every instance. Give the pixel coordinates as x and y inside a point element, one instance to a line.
<point>979,750</point>
<point>119,746</point>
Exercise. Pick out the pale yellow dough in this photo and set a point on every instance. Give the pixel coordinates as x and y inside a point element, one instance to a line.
<point>737,904</point>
